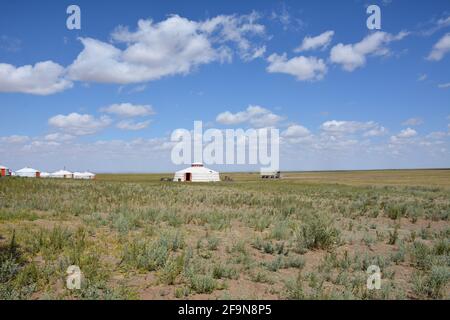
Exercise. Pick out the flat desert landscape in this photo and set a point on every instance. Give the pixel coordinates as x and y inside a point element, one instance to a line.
<point>309,235</point>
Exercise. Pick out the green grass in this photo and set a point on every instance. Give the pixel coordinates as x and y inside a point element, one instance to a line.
<point>307,236</point>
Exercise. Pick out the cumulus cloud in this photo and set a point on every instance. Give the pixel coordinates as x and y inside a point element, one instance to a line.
<point>412,122</point>
<point>79,124</point>
<point>58,137</point>
<point>303,68</point>
<point>238,29</point>
<point>440,49</point>
<point>296,131</point>
<point>336,127</point>
<point>422,77</point>
<point>10,44</point>
<point>377,131</point>
<point>173,46</point>
<point>132,125</point>
<point>129,110</point>
<point>404,137</point>
<point>43,78</point>
<point>444,85</point>
<point>319,42</point>
<point>437,24</point>
<point>407,133</point>
<point>14,139</point>
<point>353,56</point>
<point>254,115</point>
<point>286,19</point>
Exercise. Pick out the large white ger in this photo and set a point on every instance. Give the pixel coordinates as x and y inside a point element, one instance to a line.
<point>28,173</point>
<point>62,174</point>
<point>84,175</point>
<point>197,173</point>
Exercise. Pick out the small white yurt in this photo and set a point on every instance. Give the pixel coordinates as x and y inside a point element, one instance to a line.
<point>84,175</point>
<point>45,175</point>
<point>197,173</point>
<point>4,171</point>
<point>28,173</point>
<point>62,174</point>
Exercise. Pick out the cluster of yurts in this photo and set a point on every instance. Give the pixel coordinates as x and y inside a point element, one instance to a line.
<point>33,173</point>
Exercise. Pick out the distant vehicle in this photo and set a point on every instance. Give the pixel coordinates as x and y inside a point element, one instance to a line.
<point>271,175</point>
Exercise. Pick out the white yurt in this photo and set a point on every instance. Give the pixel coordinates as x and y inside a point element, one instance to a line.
<point>4,171</point>
<point>84,175</point>
<point>62,174</point>
<point>197,173</point>
<point>28,173</point>
<point>45,175</point>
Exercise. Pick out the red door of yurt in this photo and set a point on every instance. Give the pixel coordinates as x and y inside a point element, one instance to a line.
<point>188,176</point>
<point>3,172</point>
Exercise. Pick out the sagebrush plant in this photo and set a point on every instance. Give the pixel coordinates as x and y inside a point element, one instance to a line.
<point>316,232</point>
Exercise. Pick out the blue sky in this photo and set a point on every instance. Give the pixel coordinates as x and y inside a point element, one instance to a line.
<point>107,98</point>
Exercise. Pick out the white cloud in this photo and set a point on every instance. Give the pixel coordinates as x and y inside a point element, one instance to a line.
<point>79,124</point>
<point>303,68</point>
<point>404,137</point>
<point>412,122</point>
<point>173,46</point>
<point>296,131</point>
<point>440,49</point>
<point>321,41</point>
<point>437,25</point>
<point>237,29</point>
<point>58,137</point>
<point>444,85</point>
<point>129,110</point>
<point>407,133</point>
<point>437,135</point>
<point>43,78</point>
<point>378,131</point>
<point>422,77</point>
<point>10,44</point>
<point>286,19</point>
<point>353,56</point>
<point>350,127</point>
<point>255,115</point>
<point>14,139</point>
<point>132,125</point>
<point>444,22</point>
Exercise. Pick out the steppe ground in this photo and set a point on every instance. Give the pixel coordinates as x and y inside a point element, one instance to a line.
<point>310,235</point>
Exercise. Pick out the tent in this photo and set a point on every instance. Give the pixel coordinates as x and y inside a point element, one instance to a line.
<point>62,174</point>
<point>4,171</point>
<point>197,173</point>
<point>28,172</point>
<point>84,175</point>
<point>45,175</point>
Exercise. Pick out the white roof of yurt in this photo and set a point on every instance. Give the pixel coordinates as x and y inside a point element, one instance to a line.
<point>27,170</point>
<point>62,173</point>
<point>3,167</point>
<point>84,174</point>
<point>197,170</point>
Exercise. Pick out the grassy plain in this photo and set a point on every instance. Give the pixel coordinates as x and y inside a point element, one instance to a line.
<point>311,235</point>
